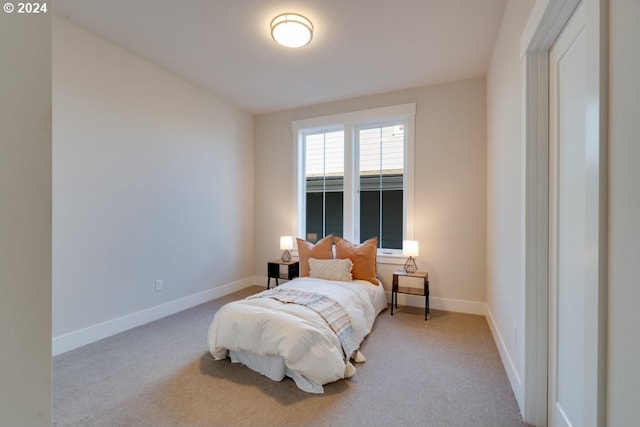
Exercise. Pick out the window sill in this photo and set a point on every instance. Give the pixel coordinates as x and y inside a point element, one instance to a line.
<point>381,258</point>
<point>395,259</point>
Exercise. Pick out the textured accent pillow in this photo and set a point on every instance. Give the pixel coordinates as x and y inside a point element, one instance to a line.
<point>330,269</point>
<point>363,257</point>
<point>323,249</point>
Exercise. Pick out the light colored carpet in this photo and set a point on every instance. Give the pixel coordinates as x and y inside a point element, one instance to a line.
<point>443,372</point>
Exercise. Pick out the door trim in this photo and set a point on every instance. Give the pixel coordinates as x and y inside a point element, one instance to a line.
<point>546,21</point>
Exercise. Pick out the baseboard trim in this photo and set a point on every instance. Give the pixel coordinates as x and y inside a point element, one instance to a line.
<point>507,361</point>
<point>445,304</point>
<point>460,306</point>
<point>72,340</point>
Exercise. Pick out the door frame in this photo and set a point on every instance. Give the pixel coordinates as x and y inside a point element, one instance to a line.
<point>546,21</point>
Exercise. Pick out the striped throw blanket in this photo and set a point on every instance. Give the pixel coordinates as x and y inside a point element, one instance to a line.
<point>330,310</point>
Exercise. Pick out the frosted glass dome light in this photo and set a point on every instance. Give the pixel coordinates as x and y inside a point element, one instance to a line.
<point>291,30</point>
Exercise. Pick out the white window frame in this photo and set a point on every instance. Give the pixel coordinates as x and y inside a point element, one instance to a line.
<point>349,122</point>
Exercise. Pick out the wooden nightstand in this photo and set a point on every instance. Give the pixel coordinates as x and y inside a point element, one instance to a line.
<point>395,289</point>
<point>273,271</point>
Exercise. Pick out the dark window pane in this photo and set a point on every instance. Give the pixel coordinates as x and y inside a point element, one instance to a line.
<point>392,219</point>
<point>324,214</point>
<point>369,215</point>
<point>390,232</point>
<point>315,208</point>
<point>334,202</point>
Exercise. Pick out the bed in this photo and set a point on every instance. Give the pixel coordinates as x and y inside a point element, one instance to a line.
<point>309,329</point>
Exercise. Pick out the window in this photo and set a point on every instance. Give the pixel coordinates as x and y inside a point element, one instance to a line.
<point>354,177</point>
<point>381,184</point>
<point>324,184</point>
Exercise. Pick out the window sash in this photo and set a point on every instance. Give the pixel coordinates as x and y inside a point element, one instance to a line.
<point>380,170</point>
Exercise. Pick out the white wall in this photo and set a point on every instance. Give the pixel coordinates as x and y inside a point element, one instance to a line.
<point>25,220</point>
<point>505,192</point>
<point>624,214</point>
<point>152,179</point>
<point>450,188</point>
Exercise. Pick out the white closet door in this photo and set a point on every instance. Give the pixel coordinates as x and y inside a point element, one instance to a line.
<point>568,337</point>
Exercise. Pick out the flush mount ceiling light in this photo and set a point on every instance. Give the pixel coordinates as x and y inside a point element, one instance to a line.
<point>291,30</point>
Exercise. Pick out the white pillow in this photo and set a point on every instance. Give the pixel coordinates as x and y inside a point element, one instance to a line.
<point>331,269</point>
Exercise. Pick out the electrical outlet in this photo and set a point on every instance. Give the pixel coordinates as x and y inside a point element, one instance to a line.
<point>159,285</point>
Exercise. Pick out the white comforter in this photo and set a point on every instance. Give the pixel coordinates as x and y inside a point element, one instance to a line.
<point>262,332</point>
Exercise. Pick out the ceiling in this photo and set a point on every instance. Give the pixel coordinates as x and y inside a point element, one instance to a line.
<point>360,47</point>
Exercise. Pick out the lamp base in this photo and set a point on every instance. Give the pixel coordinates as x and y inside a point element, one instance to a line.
<point>286,256</point>
<point>410,266</point>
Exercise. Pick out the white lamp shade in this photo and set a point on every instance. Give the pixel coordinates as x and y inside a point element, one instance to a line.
<point>410,248</point>
<point>286,243</point>
<point>291,30</point>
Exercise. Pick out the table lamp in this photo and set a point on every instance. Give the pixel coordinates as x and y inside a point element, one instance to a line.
<point>410,248</point>
<point>286,244</point>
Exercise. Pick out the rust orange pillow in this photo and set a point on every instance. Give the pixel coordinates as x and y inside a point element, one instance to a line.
<point>362,256</point>
<point>323,249</point>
